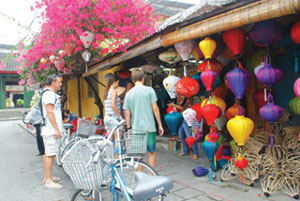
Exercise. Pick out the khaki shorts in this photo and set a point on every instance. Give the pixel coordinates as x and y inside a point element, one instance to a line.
<point>51,145</point>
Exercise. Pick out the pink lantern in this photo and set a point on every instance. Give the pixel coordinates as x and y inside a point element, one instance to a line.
<point>208,78</point>
<point>87,38</point>
<point>185,48</point>
<point>297,87</point>
<point>189,115</point>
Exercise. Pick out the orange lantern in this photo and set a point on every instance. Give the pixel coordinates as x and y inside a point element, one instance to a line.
<point>221,91</point>
<point>234,110</point>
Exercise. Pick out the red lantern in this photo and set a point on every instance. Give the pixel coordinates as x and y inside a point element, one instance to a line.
<point>295,32</point>
<point>235,40</point>
<point>187,87</point>
<point>190,141</point>
<point>124,74</point>
<point>215,65</point>
<point>210,112</point>
<point>171,109</point>
<point>197,109</point>
<point>208,78</point>
<point>241,163</point>
<point>259,99</point>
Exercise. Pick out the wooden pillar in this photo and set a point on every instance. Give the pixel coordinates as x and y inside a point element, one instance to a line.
<point>79,96</point>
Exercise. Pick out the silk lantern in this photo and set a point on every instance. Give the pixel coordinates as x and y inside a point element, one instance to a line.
<point>210,149</point>
<point>170,56</point>
<point>234,110</point>
<point>267,74</point>
<point>220,122</point>
<point>270,112</point>
<point>197,109</point>
<point>295,33</point>
<point>235,40</point>
<point>208,78</point>
<point>170,85</point>
<point>297,87</point>
<point>189,115</point>
<point>265,33</point>
<point>174,121</point>
<point>185,48</point>
<point>294,105</point>
<point>219,49</point>
<point>190,141</point>
<point>210,112</point>
<point>87,38</point>
<point>212,136</point>
<point>238,80</point>
<point>187,87</point>
<point>219,102</point>
<point>196,53</point>
<point>259,99</point>
<point>241,162</point>
<point>240,127</point>
<point>171,109</point>
<point>215,65</point>
<point>207,47</point>
<point>221,91</point>
<point>258,67</point>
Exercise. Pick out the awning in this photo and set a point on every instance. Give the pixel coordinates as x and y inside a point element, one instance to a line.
<point>255,12</point>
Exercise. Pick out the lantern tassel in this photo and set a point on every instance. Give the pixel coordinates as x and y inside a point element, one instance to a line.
<point>174,144</point>
<point>265,94</point>
<point>210,179</point>
<point>242,178</point>
<point>271,139</point>
<point>191,153</point>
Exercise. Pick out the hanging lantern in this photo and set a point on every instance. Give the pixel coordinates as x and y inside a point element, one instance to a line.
<point>173,121</point>
<point>265,33</point>
<point>170,85</point>
<point>52,58</point>
<point>295,33</point>
<point>170,56</point>
<point>259,98</point>
<point>241,162</point>
<point>150,68</point>
<point>210,112</point>
<point>43,61</point>
<point>278,75</point>
<point>62,53</point>
<point>219,102</point>
<point>207,46</point>
<point>171,109</point>
<point>234,110</point>
<point>220,122</point>
<point>86,55</point>
<point>240,127</point>
<point>87,39</point>
<point>185,48</point>
<point>187,87</point>
<point>208,78</point>
<point>235,39</point>
<point>219,49</point>
<point>270,112</point>
<point>70,49</point>
<point>267,74</point>
<point>294,105</point>
<point>258,67</point>
<point>238,80</point>
<point>210,149</point>
<point>215,65</point>
<point>189,115</point>
<point>221,91</point>
<point>196,53</point>
<point>124,74</point>
<point>190,141</point>
<point>212,136</point>
<point>197,109</point>
<point>297,87</point>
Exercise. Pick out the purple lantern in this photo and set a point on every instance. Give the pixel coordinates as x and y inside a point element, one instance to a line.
<point>267,74</point>
<point>208,78</point>
<point>270,112</point>
<point>266,32</point>
<point>278,75</point>
<point>238,80</point>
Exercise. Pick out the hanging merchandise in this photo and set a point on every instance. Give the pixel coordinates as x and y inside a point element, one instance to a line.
<point>220,122</point>
<point>150,68</point>
<point>62,53</point>
<point>218,51</point>
<point>297,87</point>
<point>207,46</point>
<point>187,87</point>
<point>212,135</point>
<point>210,112</point>
<point>221,91</point>
<point>210,149</point>
<point>219,102</point>
<point>235,40</point>
<point>215,65</point>
<point>266,32</point>
<point>87,39</point>
<point>70,48</point>
<point>170,56</point>
<point>259,99</point>
<point>174,121</point>
<point>189,115</point>
<point>170,85</point>
<point>196,53</point>
<point>124,74</point>
<point>190,141</point>
<point>197,109</point>
<point>258,67</point>
<point>271,113</point>
<point>294,105</point>
<point>43,61</point>
<point>208,78</point>
<point>234,110</point>
<point>185,48</point>
<point>295,33</point>
<point>171,109</point>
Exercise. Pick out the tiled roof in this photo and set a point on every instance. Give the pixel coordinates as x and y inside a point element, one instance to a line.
<point>10,65</point>
<point>168,8</point>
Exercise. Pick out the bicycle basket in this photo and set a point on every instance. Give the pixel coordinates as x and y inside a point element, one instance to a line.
<point>136,141</point>
<point>86,128</point>
<point>83,171</point>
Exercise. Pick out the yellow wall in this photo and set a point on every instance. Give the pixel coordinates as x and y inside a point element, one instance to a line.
<point>88,107</point>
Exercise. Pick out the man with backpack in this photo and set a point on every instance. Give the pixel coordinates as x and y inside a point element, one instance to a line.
<point>51,131</point>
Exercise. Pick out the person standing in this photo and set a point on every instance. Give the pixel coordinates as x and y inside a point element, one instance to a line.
<point>139,105</point>
<point>51,131</point>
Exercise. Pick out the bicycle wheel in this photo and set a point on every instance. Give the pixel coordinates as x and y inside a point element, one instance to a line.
<point>131,166</point>
<point>62,144</point>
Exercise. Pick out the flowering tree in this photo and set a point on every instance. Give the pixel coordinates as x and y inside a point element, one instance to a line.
<point>69,27</point>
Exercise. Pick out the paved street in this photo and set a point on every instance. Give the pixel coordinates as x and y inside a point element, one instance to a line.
<point>22,173</point>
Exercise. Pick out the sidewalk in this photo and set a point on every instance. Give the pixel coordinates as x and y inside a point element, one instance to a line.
<point>12,113</point>
<point>187,187</point>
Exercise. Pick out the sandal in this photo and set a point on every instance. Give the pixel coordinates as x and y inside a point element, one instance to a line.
<point>52,185</point>
<point>56,179</point>
<point>195,157</point>
<point>182,154</point>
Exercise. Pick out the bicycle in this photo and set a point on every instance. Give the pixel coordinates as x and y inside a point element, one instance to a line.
<point>99,187</point>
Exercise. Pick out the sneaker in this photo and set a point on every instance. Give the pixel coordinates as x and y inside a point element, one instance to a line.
<point>52,185</point>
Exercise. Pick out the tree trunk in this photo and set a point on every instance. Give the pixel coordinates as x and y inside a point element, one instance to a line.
<point>96,96</point>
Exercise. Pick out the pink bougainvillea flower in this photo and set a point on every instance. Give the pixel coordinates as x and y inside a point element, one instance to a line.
<point>104,51</point>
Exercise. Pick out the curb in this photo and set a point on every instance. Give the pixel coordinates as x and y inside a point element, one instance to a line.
<point>26,129</point>
<point>11,119</point>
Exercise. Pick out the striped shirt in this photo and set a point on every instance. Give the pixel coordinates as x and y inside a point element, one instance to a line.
<point>107,104</point>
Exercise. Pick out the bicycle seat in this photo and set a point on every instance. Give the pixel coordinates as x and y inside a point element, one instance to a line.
<point>150,186</point>
<point>68,126</point>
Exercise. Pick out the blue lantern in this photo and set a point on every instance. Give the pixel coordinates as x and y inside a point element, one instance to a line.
<point>174,121</point>
<point>210,149</point>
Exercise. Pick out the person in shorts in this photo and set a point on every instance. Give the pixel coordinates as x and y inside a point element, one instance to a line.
<point>141,108</point>
<point>51,131</point>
